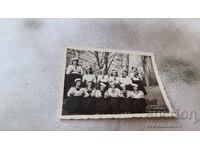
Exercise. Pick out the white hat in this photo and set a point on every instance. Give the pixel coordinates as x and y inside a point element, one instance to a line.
<point>102,84</point>
<point>124,70</point>
<point>74,59</point>
<point>88,82</point>
<point>78,79</point>
<point>135,85</point>
<point>123,85</point>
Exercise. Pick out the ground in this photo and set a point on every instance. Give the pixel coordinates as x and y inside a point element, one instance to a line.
<point>155,93</point>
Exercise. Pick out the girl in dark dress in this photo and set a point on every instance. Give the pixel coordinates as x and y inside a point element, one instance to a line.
<point>137,79</point>
<point>73,71</point>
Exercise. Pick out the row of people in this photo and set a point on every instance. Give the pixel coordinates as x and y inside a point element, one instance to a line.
<point>125,79</point>
<point>103,91</point>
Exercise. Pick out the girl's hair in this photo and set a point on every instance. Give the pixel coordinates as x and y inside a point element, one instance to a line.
<point>112,83</point>
<point>124,71</point>
<point>90,69</point>
<point>73,61</point>
<point>101,71</point>
<point>92,86</point>
<point>134,67</point>
<point>74,84</point>
<point>113,75</point>
<point>99,86</point>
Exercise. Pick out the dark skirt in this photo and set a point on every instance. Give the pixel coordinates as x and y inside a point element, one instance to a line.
<point>91,105</point>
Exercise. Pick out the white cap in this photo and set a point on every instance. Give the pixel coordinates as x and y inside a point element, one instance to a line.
<point>123,85</point>
<point>88,82</point>
<point>103,84</point>
<point>78,79</point>
<point>124,70</point>
<point>74,59</point>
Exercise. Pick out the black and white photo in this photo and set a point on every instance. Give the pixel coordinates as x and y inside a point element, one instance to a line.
<point>105,83</point>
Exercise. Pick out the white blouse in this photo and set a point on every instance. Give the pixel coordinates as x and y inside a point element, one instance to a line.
<point>102,78</point>
<point>98,94</point>
<point>128,94</point>
<point>137,95</point>
<point>114,79</point>
<point>138,78</point>
<point>89,77</point>
<point>74,70</point>
<point>75,92</point>
<point>125,81</point>
<point>92,94</point>
<point>114,92</point>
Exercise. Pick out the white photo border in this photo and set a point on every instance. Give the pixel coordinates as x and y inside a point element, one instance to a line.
<point>170,114</point>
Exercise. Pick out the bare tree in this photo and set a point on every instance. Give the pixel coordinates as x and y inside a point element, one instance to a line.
<point>106,61</point>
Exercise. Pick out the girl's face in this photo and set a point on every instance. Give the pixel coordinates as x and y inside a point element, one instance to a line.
<point>75,62</point>
<point>134,73</point>
<point>115,74</point>
<point>124,74</point>
<point>102,87</point>
<point>134,69</point>
<point>89,84</point>
<point>89,70</point>
<point>78,83</point>
<point>135,88</point>
<point>124,88</point>
<point>102,72</point>
<point>112,85</point>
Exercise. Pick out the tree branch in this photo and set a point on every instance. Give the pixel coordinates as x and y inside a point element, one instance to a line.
<point>97,59</point>
<point>111,61</point>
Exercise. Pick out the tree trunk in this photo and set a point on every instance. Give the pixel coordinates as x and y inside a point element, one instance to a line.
<point>106,62</point>
<point>97,59</point>
<point>127,62</point>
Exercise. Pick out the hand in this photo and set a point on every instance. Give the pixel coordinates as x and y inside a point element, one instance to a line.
<point>72,94</point>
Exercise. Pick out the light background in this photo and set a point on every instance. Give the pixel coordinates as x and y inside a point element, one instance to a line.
<point>30,62</point>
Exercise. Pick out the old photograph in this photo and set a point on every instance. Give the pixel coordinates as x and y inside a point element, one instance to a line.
<point>101,83</point>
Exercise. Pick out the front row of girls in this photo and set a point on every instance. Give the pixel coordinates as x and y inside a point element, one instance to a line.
<point>104,91</point>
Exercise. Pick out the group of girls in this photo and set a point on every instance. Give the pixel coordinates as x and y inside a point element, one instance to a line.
<point>104,85</point>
